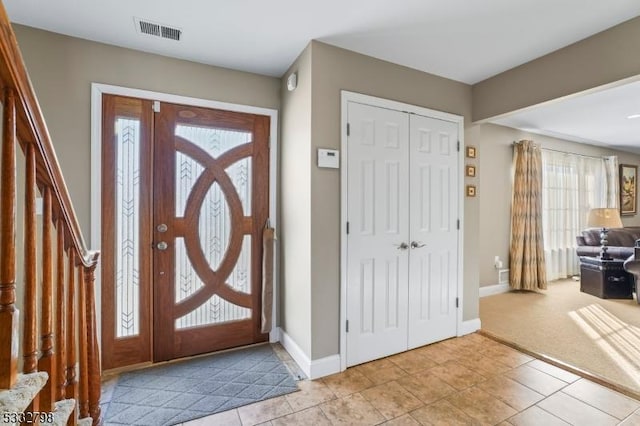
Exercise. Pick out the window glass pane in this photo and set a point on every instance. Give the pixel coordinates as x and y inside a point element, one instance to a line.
<point>128,226</point>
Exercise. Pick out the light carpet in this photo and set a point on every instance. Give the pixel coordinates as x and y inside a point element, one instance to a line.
<point>182,391</point>
<point>599,336</point>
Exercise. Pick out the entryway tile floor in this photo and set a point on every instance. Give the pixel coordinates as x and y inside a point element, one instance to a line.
<point>471,380</point>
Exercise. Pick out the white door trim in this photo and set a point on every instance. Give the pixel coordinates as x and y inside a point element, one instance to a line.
<point>98,89</point>
<point>346,97</point>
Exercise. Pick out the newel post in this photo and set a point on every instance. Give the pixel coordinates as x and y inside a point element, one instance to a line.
<point>9,314</point>
<point>92,343</point>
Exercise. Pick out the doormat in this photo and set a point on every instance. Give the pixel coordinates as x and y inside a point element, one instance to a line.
<point>182,391</point>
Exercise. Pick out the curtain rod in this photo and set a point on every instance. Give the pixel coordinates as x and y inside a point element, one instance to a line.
<point>567,152</point>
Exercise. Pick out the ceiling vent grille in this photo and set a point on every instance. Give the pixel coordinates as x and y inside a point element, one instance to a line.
<point>172,33</point>
<point>157,30</point>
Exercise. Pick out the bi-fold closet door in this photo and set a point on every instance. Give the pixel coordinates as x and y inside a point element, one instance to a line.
<point>402,243</point>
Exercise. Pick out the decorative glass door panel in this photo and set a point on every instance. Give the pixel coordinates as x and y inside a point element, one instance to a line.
<point>214,226</point>
<point>211,204</point>
<point>182,230</point>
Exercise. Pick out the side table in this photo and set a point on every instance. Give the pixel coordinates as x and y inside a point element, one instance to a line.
<point>605,279</point>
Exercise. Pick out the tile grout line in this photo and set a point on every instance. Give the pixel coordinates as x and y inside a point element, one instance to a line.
<point>564,366</point>
<point>591,405</point>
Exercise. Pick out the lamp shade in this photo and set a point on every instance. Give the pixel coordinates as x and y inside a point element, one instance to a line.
<point>604,218</point>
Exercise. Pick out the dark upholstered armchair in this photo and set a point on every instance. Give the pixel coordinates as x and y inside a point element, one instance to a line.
<point>632,266</point>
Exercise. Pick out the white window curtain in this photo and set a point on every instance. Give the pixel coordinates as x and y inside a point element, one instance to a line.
<point>571,186</point>
<point>613,184</point>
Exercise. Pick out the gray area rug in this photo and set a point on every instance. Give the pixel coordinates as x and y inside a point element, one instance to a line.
<point>175,393</point>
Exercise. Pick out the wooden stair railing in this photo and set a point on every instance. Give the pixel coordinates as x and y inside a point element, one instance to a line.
<point>59,330</point>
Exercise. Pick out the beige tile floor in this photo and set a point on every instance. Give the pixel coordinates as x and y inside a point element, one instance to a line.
<point>470,380</point>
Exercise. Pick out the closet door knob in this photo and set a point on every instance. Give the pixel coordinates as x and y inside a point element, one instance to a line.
<point>417,244</point>
<point>402,246</point>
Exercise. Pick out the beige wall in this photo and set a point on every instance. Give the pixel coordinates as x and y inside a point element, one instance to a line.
<point>62,69</point>
<point>295,235</point>
<point>495,154</point>
<point>335,69</point>
<point>604,58</point>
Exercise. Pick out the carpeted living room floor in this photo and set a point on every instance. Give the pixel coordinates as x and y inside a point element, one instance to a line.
<point>599,336</point>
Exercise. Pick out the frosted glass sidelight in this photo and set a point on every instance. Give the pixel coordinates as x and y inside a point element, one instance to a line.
<point>127,226</point>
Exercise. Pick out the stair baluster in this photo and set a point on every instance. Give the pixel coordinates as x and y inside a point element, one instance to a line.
<point>61,358</point>
<point>47,359</point>
<point>9,314</point>
<point>82,345</point>
<point>29,346</point>
<point>72,383</point>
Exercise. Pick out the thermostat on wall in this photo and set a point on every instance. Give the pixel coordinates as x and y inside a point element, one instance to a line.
<point>329,158</point>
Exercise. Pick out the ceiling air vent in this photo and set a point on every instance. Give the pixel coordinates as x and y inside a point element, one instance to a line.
<point>157,30</point>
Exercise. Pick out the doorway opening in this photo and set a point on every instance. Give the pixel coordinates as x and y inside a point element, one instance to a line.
<point>185,198</point>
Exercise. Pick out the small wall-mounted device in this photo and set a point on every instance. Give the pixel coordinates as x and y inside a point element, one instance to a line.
<point>329,158</point>
<point>292,81</point>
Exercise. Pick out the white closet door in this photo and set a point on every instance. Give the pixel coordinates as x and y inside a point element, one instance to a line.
<point>377,211</point>
<point>434,235</point>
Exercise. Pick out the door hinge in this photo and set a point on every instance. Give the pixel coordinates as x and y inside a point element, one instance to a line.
<point>347,228</point>
<point>458,146</point>
<point>457,302</point>
<point>458,224</point>
<point>156,106</point>
<point>348,129</point>
<point>347,326</point>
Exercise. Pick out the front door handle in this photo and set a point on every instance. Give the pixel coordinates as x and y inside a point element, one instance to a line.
<point>162,245</point>
<point>417,244</point>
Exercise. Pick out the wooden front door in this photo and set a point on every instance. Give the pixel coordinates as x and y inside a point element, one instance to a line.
<point>202,205</point>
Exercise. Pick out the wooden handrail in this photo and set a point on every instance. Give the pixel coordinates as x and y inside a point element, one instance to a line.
<point>60,303</point>
<point>31,127</point>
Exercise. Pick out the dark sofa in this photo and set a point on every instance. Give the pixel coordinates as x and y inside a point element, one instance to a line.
<point>621,242</point>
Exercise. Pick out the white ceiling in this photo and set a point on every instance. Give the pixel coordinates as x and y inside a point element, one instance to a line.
<point>598,118</point>
<point>465,40</point>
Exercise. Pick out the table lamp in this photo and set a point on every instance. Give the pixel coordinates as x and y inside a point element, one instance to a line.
<point>604,218</point>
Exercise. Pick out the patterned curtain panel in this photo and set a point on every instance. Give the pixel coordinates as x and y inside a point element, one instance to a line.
<point>527,265</point>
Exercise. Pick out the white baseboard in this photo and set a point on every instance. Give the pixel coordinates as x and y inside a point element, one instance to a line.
<point>312,369</point>
<point>489,290</point>
<point>325,366</point>
<point>469,327</point>
<point>296,352</point>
